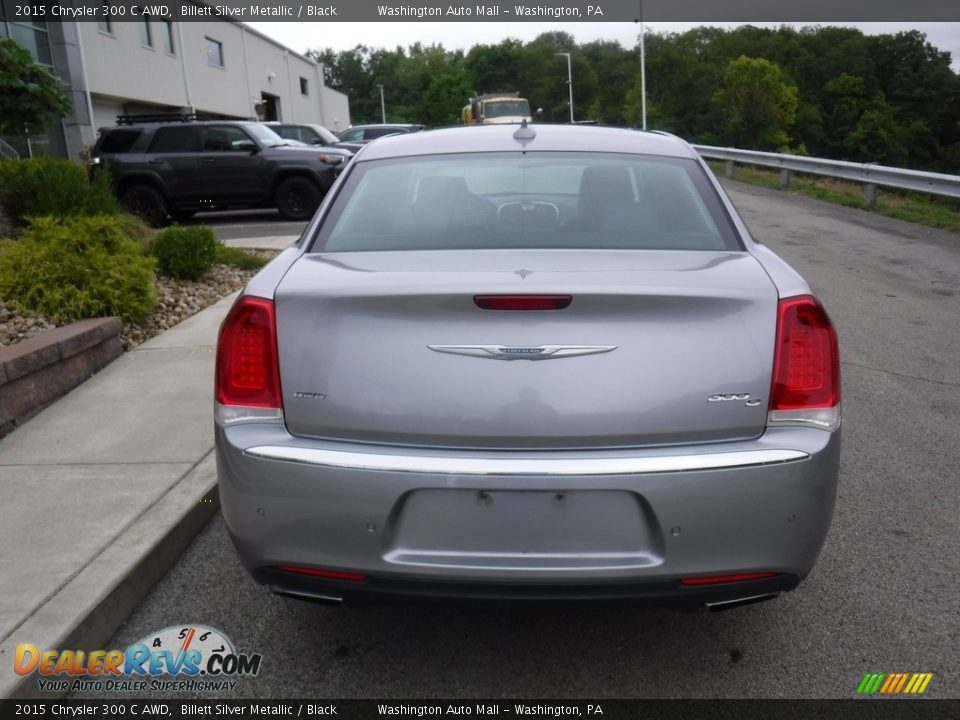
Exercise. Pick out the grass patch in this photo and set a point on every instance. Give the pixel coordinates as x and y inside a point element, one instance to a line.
<point>929,210</point>
<point>239,258</point>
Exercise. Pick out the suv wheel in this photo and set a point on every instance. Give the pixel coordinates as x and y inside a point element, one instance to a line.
<point>147,202</point>
<point>297,198</point>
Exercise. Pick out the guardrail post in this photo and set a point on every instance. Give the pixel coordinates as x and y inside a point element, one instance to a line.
<point>870,195</point>
<point>728,167</point>
<point>784,179</point>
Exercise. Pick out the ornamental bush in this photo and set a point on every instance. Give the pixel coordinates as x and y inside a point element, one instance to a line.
<point>75,268</point>
<point>47,186</point>
<point>185,253</point>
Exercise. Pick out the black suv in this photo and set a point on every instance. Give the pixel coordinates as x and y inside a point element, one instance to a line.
<point>176,166</point>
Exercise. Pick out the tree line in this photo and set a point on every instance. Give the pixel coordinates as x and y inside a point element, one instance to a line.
<point>824,91</point>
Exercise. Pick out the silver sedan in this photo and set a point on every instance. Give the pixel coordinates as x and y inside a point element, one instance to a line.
<point>528,362</point>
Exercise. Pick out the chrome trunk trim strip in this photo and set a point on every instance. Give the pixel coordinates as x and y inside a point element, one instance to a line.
<point>524,465</point>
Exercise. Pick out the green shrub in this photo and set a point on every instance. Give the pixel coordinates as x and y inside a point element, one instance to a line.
<point>185,253</point>
<point>239,258</point>
<point>47,186</point>
<point>75,268</point>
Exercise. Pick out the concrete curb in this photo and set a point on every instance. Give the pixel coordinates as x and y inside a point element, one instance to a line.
<point>89,608</point>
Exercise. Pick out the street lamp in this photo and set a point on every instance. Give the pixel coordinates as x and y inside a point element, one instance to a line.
<point>569,81</point>
<point>383,107</point>
<point>643,72</point>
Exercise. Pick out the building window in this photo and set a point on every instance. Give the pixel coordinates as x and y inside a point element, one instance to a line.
<point>168,43</point>
<point>146,34</point>
<point>214,52</point>
<point>303,86</point>
<point>105,25</point>
<point>33,37</point>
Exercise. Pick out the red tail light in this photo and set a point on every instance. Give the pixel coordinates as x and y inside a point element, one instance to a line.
<point>720,579</point>
<point>248,371</point>
<point>522,302</point>
<point>806,364</point>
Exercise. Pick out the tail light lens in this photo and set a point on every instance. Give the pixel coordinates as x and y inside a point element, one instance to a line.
<point>806,366</point>
<point>248,370</point>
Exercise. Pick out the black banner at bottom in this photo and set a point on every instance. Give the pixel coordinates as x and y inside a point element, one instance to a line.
<point>859,709</point>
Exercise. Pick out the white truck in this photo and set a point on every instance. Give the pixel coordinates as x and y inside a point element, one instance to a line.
<point>496,109</point>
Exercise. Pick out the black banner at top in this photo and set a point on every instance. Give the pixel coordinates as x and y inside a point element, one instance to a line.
<point>489,10</point>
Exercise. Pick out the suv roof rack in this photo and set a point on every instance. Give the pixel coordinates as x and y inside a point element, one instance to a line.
<point>160,118</point>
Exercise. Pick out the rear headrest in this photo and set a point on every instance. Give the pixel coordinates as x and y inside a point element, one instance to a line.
<point>440,189</point>
<point>605,184</point>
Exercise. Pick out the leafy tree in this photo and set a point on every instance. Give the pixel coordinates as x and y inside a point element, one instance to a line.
<point>831,90</point>
<point>31,95</point>
<point>759,105</point>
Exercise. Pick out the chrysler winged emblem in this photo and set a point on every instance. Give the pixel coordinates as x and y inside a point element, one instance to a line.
<point>508,352</point>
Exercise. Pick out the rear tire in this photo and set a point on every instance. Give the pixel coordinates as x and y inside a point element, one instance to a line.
<point>297,198</point>
<point>146,202</point>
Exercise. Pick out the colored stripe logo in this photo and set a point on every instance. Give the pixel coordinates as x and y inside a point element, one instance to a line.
<point>894,683</point>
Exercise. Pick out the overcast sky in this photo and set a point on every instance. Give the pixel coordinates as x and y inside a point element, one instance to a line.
<point>463,35</point>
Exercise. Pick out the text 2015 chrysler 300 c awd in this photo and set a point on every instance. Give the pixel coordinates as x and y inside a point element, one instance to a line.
<point>537,361</point>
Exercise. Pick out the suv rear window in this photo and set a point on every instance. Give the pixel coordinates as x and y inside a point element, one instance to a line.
<point>119,140</point>
<point>529,200</point>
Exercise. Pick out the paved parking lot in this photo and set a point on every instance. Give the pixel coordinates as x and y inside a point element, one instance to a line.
<point>883,597</point>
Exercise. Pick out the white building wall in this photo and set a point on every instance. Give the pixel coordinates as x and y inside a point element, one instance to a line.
<point>122,73</point>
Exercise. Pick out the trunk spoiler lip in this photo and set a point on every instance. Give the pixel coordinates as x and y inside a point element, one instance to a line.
<point>525,466</point>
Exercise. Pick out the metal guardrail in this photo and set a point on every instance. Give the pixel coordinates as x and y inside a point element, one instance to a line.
<point>7,151</point>
<point>870,175</point>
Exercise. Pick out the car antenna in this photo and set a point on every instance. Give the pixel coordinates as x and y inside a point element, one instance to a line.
<point>524,133</point>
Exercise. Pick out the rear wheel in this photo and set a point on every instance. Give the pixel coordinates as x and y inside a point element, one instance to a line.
<point>297,198</point>
<point>146,202</point>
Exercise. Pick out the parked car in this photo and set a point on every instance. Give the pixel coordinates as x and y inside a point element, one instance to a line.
<point>356,136</point>
<point>306,133</point>
<point>536,361</point>
<point>171,165</point>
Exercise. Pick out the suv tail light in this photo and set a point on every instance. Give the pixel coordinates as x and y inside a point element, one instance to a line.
<point>806,366</point>
<point>248,369</point>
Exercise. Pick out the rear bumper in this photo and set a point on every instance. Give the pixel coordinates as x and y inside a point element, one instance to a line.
<point>563,525</point>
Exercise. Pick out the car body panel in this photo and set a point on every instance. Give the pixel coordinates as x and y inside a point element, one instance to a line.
<point>358,329</point>
<point>671,524</point>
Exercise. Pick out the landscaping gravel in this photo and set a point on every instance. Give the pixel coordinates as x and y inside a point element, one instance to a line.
<point>176,301</point>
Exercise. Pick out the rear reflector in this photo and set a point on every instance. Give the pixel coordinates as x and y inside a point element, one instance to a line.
<point>322,572</point>
<point>248,371</point>
<point>806,364</point>
<point>720,579</point>
<point>522,302</point>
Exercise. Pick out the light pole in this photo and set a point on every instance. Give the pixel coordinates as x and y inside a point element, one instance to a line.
<point>383,107</point>
<point>643,72</point>
<point>569,81</point>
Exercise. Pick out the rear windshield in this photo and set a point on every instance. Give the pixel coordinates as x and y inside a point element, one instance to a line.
<point>527,200</point>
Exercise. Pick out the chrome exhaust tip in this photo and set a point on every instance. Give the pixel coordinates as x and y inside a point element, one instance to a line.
<point>739,602</point>
<point>330,600</point>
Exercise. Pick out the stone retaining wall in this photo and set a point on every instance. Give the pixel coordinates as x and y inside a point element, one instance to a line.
<point>35,372</point>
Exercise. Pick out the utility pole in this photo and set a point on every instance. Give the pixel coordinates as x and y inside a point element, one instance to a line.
<point>383,107</point>
<point>569,81</point>
<point>643,72</point>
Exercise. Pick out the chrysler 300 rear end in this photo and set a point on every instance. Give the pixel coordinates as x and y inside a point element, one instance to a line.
<point>547,364</point>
